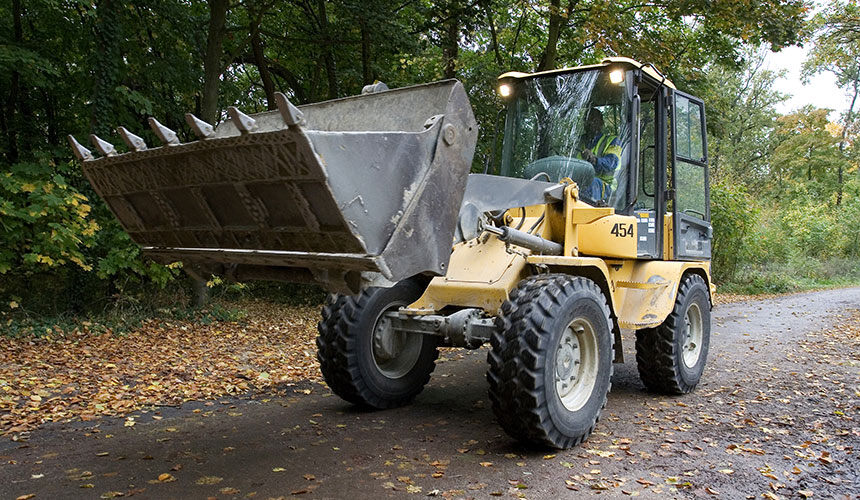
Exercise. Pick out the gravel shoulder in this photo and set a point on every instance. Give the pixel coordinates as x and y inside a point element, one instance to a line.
<point>776,416</point>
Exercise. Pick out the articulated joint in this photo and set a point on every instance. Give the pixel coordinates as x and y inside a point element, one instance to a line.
<point>464,328</point>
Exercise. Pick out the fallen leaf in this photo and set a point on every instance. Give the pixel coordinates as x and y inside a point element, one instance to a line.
<point>209,480</point>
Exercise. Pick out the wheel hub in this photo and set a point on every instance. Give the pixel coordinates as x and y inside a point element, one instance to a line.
<point>576,362</point>
<point>692,337</point>
<point>387,342</point>
<point>394,352</point>
<point>567,359</point>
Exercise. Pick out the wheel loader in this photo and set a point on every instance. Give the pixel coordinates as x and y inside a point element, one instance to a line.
<point>592,218</point>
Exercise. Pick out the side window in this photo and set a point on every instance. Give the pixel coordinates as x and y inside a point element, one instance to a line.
<point>689,129</point>
<point>690,158</point>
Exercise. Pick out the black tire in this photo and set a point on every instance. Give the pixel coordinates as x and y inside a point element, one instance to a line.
<point>660,352</point>
<point>345,349</point>
<point>525,351</point>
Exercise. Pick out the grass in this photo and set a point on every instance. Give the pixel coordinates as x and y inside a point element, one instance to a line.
<point>794,276</point>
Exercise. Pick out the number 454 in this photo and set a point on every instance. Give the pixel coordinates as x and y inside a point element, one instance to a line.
<point>622,230</point>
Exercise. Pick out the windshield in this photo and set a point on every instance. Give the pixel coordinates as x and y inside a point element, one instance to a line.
<point>574,125</point>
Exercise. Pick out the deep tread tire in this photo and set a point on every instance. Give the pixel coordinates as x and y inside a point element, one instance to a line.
<point>346,356</point>
<point>659,350</point>
<point>522,360</point>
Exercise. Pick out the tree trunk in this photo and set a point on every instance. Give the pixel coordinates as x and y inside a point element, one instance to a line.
<point>212,59</point>
<point>328,55</point>
<point>262,67</point>
<point>451,46</point>
<point>12,101</point>
<point>494,39</point>
<point>547,60</point>
<point>108,60</point>
<point>843,142</point>
<point>366,73</point>
<point>201,292</point>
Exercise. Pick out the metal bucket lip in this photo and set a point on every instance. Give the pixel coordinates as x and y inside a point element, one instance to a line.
<point>357,261</point>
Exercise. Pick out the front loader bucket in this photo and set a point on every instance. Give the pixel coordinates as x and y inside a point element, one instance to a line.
<point>323,192</point>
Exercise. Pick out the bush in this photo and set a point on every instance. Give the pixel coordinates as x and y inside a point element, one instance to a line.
<point>733,216</point>
<point>44,222</point>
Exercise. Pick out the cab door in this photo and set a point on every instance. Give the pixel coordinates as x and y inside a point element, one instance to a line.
<point>691,214</point>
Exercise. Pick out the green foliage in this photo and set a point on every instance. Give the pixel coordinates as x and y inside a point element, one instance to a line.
<point>21,323</point>
<point>806,157</point>
<point>82,67</point>
<point>732,216</point>
<point>740,106</point>
<point>793,276</point>
<point>44,222</point>
<point>122,261</point>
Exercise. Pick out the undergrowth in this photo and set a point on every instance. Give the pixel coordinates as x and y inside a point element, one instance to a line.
<point>795,275</point>
<point>21,323</point>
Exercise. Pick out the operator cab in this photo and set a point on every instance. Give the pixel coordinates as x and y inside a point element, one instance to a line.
<point>573,125</point>
<point>609,127</point>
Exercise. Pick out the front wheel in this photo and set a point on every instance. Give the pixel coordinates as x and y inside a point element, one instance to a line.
<point>363,359</point>
<point>551,360</point>
<point>671,357</point>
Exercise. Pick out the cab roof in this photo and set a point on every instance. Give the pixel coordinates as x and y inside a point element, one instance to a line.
<point>648,69</point>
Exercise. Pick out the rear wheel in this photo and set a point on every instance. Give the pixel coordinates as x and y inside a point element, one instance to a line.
<point>671,357</point>
<point>551,360</point>
<point>363,359</point>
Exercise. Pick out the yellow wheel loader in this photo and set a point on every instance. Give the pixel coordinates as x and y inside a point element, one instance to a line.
<point>594,219</point>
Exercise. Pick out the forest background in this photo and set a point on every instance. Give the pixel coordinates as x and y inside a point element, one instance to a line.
<point>785,187</point>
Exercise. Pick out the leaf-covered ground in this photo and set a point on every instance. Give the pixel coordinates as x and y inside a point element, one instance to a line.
<point>84,375</point>
<point>775,417</point>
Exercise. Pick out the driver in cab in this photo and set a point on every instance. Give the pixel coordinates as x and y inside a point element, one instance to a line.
<point>603,151</point>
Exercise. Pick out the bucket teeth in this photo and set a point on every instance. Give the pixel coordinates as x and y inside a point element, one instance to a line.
<point>167,136</point>
<point>134,142</point>
<point>291,114</point>
<point>81,153</point>
<point>201,129</point>
<point>104,147</point>
<point>242,121</point>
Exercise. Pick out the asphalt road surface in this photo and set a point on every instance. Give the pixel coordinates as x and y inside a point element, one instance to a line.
<point>775,416</point>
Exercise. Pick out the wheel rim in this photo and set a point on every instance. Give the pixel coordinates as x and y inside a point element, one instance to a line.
<point>576,364</point>
<point>394,352</point>
<point>693,333</point>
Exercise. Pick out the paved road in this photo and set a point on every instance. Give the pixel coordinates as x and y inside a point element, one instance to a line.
<point>771,417</point>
